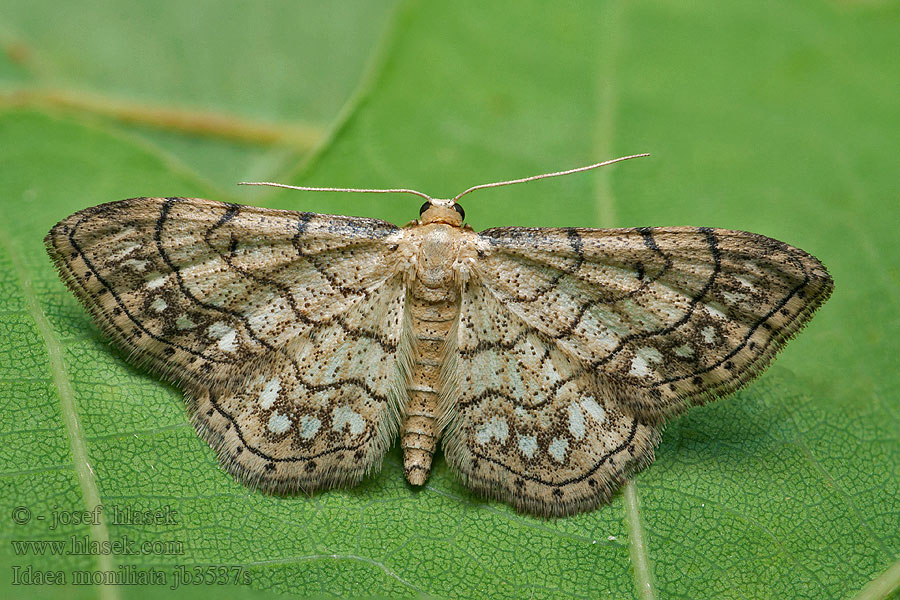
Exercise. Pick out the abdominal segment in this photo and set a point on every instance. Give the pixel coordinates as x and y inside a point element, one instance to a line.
<point>432,320</point>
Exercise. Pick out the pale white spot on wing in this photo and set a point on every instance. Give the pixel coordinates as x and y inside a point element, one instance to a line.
<point>137,265</point>
<point>269,394</point>
<point>709,334</point>
<point>558,448</point>
<point>594,410</point>
<point>715,311</point>
<point>228,342</point>
<point>639,367</point>
<point>576,421</point>
<point>155,280</point>
<point>159,305</point>
<point>218,329</point>
<point>746,283</point>
<point>521,412</point>
<point>226,335</point>
<point>734,297</point>
<point>279,423</point>
<point>640,364</point>
<point>309,426</point>
<point>685,350</point>
<point>650,354</point>
<point>495,428</point>
<point>345,415</point>
<point>753,266</point>
<point>183,322</point>
<point>124,251</point>
<point>527,445</point>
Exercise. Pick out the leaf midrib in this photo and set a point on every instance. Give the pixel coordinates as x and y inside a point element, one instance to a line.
<point>604,131</point>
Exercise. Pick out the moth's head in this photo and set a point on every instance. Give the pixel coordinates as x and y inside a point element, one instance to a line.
<point>441,211</point>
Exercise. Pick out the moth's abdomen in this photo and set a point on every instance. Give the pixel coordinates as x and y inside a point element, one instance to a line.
<point>433,315</point>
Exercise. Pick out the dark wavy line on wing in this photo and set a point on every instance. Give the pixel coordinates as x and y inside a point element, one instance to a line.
<point>118,299</point>
<point>578,247</point>
<point>713,245</point>
<point>297,242</point>
<point>578,479</point>
<point>711,240</point>
<point>759,323</point>
<point>260,453</point>
<point>646,232</point>
<point>285,290</point>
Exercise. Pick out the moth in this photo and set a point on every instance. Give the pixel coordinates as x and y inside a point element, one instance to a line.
<point>544,360</point>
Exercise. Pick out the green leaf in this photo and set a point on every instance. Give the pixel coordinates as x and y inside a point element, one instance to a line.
<point>780,119</point>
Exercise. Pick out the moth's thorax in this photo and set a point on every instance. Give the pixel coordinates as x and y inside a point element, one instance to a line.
<point>437,253</point>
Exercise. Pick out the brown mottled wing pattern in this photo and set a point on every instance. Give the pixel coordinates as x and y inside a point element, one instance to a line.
<point>526,423</point>
<point>249,310</point>
<point>638,322</point>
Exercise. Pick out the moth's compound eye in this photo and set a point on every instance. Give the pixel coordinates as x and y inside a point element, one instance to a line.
<point>424,208</point>
<point>459,209</point>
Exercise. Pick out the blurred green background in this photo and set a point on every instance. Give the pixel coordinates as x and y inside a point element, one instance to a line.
<point>775,117</point>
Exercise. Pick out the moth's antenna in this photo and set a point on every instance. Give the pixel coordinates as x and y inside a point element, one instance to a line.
<point>441,202</point>
<point>545,175</point>
<point>332,189</point>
